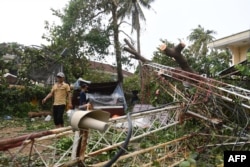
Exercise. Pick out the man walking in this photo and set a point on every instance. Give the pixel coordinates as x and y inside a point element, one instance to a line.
<point>61,93</point>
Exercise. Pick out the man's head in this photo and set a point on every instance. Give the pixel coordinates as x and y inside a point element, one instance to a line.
<point>60,74</point>
<point>60,77</point>
<point>84,86</point>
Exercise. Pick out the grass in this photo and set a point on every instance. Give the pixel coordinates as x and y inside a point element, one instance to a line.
<point>18,126</point>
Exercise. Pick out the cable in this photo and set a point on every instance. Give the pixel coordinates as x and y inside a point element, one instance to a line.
<point>125,144</point>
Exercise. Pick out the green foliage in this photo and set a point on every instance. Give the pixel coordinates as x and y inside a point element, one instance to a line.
<point>131,83</point>
<point>38,123</point>
<point>244,69</point>
<point>164,60</point>
<point>83,33</point>
<point>158,96</point>
<point>134,11</point>
<point>16,100</point>
<point>38,63</point>
<point>86,35</point>
<point>199,57</point>
<point>21,109</point>
<point>98,40</point>
<point>185,164</point>
<point>64,143</point>
<point>99,76</point>
<point>200,38</point>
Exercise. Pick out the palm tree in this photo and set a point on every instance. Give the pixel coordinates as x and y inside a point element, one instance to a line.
<point>200,38</point>
<point>133,8</point>
<point>119,10</point>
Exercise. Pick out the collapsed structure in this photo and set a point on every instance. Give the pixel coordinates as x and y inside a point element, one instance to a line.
<point>108,96</point>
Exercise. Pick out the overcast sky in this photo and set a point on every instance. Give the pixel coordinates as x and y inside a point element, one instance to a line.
<point>22,21</point>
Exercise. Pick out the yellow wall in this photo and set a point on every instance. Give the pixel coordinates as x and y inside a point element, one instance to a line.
<point>239,53</point>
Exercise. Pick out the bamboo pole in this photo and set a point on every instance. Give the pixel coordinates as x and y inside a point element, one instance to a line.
<point>9,143</point>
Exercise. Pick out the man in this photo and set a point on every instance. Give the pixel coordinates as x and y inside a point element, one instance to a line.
<point>60,91</point>
<point>84,104</point>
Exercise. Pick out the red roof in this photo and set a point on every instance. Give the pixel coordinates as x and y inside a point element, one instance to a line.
<point>107,68</point>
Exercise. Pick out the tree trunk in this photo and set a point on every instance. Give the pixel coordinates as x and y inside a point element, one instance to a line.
<point>117,43</point>
<point>39,114</point>
<point>176,54</point>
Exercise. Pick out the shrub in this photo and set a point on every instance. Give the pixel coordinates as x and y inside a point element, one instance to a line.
<point>16,100</point>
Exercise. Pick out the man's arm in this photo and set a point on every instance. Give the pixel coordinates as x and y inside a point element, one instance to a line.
<point>85,106</point>
<point>47,97</point>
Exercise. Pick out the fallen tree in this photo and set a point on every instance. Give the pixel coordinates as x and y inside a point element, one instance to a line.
<point>174,52</point>
<point>39,114</point>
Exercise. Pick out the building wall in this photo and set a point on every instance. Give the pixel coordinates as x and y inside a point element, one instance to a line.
<point>238,44</point>
<point>239,53</point>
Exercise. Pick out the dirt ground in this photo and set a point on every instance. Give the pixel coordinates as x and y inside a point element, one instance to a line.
<point>10,132</point>
<point>18,127</point>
